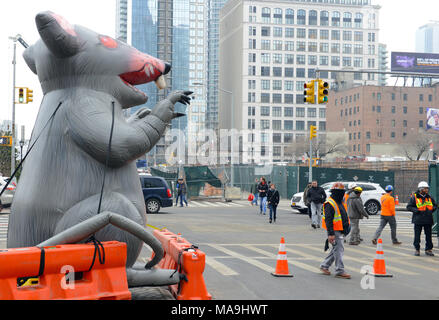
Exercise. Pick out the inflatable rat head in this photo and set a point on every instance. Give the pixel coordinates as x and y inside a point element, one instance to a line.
<point>72,56</point>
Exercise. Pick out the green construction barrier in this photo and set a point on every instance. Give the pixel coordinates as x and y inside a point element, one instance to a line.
<point>433,181</point>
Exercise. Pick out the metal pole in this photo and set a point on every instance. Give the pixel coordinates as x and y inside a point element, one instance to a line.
<point>14,63</point>
<point>310,159</point>
<point>232,175</point>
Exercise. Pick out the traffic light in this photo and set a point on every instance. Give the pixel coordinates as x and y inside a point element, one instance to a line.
<point>20,95</point>
<point>29,95</point>
<point>309,93</point>
<point>312,132</point>
<point>323,91</point>
<point>5,141</point>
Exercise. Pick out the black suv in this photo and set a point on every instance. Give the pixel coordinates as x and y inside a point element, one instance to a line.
<point>156,193</point>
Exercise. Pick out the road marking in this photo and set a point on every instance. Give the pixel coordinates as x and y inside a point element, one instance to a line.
<point>210,204</point>
<point>364,261</point>
<point>235,204</point>
<point>197,204</point>
<point>220,267</point>
<point>295,263</point>
<point>251,261</point>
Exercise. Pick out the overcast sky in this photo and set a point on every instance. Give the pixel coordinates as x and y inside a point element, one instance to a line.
<point>398,23</point>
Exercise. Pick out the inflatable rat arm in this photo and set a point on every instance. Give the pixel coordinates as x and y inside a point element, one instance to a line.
<point>90,127</point>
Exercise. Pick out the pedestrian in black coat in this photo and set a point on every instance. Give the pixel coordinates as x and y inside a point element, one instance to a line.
<point>273,199</point>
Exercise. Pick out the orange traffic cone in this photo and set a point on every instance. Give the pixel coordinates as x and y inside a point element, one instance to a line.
<point>379,266</point>
<point>396,200</point>
<point>282,262</point>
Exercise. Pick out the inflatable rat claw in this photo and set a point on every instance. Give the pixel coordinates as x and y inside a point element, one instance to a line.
<point>92,77</point>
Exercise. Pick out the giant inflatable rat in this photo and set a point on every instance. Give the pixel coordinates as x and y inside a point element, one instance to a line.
<point>86,74</point>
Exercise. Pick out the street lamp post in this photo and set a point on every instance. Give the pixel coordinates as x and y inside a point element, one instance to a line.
<point>232,174</point>
<point>14,63</point>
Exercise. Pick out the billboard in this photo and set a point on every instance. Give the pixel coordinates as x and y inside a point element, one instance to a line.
<point>432,119</point>
<point>415,62</point>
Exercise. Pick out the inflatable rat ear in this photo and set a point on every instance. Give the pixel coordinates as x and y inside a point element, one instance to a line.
<point>58,35</point>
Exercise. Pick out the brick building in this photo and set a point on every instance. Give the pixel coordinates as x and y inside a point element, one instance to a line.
<point>379,120</point>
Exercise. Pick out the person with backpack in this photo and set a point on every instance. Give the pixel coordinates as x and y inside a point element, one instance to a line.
<point>356,212</point>
<point>273,199</point>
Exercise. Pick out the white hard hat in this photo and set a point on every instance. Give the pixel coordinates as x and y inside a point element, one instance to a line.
<point>352,185</point>
<point>423,184</point>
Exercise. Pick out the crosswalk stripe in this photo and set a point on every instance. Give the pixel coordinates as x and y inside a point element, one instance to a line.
<point>234,204</point>
<point>295,263</point>
<point>211,204</point>
<point>362,260</point>
<point>197,204</point>
<point>251,261</point>
<point>220,267</point>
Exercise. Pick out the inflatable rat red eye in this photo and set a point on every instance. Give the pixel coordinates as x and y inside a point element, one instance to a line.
<point>108,42</point>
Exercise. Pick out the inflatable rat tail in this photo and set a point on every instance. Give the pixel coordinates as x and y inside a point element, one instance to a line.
<point>136,276</point>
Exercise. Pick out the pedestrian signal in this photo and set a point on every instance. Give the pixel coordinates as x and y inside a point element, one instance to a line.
<point>309,93</point>
<point>313,132</point>
<point>323,92</point>
<point>29,95</point>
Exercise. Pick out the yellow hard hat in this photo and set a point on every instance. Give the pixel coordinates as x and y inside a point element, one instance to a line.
<point>358,189</point>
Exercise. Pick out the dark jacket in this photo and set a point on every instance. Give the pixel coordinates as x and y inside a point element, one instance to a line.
<point>254,188</point>
<point>273,197</point>
<point>329,217</point>
<point>263,189</point>
<point>305,195</point>
<point>355,207</point>
<point>316,194</point>
<point>181,188</point>
<point>418,217</point>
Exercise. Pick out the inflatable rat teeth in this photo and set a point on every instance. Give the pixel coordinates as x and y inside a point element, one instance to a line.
<point>88,74</point>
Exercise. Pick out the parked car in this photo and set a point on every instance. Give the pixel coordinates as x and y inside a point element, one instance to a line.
<point>156,193</point>
<point>8,194</point>
<point>371,197</point>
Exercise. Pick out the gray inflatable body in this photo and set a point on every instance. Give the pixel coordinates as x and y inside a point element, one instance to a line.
<point>61,181</point>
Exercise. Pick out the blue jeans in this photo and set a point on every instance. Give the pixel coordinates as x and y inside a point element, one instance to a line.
<point>263,204</point>
<point>273,209</point>
<point>255,200</point>
<point>183,199</point>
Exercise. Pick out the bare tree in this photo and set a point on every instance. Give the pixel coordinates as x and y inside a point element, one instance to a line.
<point>418,146</point>
<point>323,146</point>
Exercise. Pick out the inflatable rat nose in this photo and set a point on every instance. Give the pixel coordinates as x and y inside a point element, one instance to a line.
<point>167,68</point>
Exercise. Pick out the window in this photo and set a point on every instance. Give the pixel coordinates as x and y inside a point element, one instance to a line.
<point>300,112</point>
<point>312,112</point>
<point>265,97</point>
<point>347,48</point>
<point>265,84</point>
<point>404,97</point>
<point>288,98</point>
<point>265,111</point>
<point>404,110</point>
<point>277,45</point>
<point>300,59</point>
<point>251,124</point>
<point>277,72</point>
<point>312,60</point>
<point>277,16</point>
<point>301,33</point>
<point>277,98</point>
<point>404,123</point>
<point>289,72</point>
<point>358,62</point>
<point>358,36</point>
<point>277,58</point>
<point>277,138</point>
<point>277,124</point>
<point>277,151</point>
<point>265,71</point>
<point>289,45</point>
<point>277,112</point>
<point>265,57</point>
<point>289,33</point>
<point>336,19</point>
<point>288,125</point>
<point>312,34</point>
<point>266,15</point>
<point>324,18</point>
<point>312,18</point>
<point>358,20</point>
<point>265,31</point>
<point>301,17</point>
<point>300,73</point>
<point>288,137</point>
<point>392,134</point>
<point>358,49</point>
<point>324,60</point>
<point>289,112</point>
<point>430,98</point>
<point>335,61</point>
<point>289,58</point>
<point>301,46</point>
<point>322,113</point>
<point>393,109</point>
<point>335,35</point>
<point>277,32</point>
<point>312,46</point>
<point>347,20</point>
<point>289,16</point>
<point>335,48</point>
<point>277,84</point>
<point>421,97</point>
<point>421,110</point>
<point>265,124</point>
<point>322,126</point>
<point>421,123</point>
<point>300,125</point>
<point>347,35</point>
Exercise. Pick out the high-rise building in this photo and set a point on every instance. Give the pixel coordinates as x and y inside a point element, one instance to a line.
<point>427,38</point>
<point>122,20</point>
<point>270,48</point>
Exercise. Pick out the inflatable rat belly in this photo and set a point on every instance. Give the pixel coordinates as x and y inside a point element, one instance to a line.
<point>87,80</point>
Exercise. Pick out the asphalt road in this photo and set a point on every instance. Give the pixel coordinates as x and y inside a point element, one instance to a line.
<point>241,249</point>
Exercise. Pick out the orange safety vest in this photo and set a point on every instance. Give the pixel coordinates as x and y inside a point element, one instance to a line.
<point>387,205</point>
<point>345,199</point>
<point>337,222</point>
<point>423,206</point>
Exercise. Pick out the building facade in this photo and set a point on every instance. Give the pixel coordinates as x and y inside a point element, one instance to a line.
<point>383,62</point>
<point>122,20</point>
<point>379,120</point>
<point>427,38</point>
<point>269,49</point>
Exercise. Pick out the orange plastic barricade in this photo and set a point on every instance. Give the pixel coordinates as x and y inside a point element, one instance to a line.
<point>189,260</point>
<point>107,281</point>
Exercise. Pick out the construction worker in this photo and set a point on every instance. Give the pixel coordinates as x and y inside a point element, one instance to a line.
<point>335,221</point>
<point>351,187</point>
<point>422,205</point>
<point>356,212</point>
<point>387,216</point>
